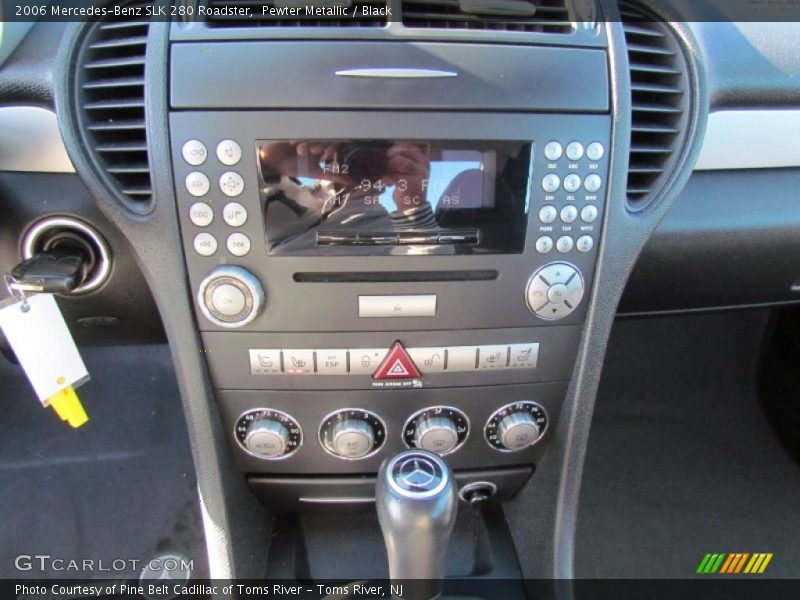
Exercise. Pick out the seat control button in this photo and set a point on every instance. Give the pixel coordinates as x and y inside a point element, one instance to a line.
<point>265,361</point>
<point>492,357</point>
<point>298,362</point>
<point>523,356</point>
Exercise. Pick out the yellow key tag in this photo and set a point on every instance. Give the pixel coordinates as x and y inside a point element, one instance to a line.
<point>68,406</point>
<point>37,333</point>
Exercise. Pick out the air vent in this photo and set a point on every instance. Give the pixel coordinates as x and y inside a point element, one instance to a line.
<point>367,13</point>
<point>110,79</point>
<point>543,16</point>
<point>659,87</point>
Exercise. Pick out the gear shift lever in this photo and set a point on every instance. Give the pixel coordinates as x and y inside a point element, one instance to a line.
<point>417,502</point>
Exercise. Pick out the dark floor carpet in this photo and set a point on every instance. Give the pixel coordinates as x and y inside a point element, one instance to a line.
<point>121,487</point>
<point>681,460</point>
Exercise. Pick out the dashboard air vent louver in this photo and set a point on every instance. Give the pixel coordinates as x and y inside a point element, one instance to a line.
<point>659,96</point>
<point>307,17</point>
<point>110,79</point>
<point>543,16</point>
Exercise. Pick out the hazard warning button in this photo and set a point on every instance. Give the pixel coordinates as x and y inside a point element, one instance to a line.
<point>397,365</point>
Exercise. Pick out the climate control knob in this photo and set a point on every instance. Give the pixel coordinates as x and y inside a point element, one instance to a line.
<point>516,426</point>
<point>352,433</point>
<point>439,429</point>
<point>268,433</point>
<point>230,297</point>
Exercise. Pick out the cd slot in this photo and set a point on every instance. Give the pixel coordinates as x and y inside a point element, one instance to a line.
<point>396,276</point>
<point>327,238</point>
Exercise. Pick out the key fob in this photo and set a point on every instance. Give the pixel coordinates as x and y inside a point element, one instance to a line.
<point>54,271</point>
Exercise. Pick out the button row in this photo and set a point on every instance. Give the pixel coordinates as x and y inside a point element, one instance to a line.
<point>230,183</point>
<point>572,183</point>
<point>564,244</point>
<point>364,361</point>
<point>195,152</point>
<point>237,244</point>
<point>569,214</point>
<point>575,151</point>
<point>201,214</point>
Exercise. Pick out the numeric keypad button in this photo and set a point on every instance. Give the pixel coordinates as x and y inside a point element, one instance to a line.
<point>553,150</point>
<point>589,214</point>
<point>572,182</point>
<point>551,182</point>
<point>548,214</point>
<point>593,183</point>
<point>544,244</point>
<point>564,244</point>
<point>595,151</point>
<point>569,213</point>
<point>574,151</point>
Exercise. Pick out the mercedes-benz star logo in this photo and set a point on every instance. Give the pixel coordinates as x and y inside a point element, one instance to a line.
<point>418,473</point>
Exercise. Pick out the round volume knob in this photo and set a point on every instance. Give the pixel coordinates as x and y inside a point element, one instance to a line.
<point>230,297</point>
<point>516,426</point>
<point>268,433</point>
<point>439,429</point>
<point>352,433</point>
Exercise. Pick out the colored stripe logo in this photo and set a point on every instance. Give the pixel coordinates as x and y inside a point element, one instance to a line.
<point>734,563</point>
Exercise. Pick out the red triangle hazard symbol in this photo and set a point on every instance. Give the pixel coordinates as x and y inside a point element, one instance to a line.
<point>397,365</point>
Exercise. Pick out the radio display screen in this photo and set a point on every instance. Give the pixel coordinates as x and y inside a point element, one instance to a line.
<point>366,197</point>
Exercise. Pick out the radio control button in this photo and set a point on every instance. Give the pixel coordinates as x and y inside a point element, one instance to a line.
<point>593,183</point>
<point>364,361</point>
<point>234,214</point>
<point>298,362</point>
<point>551,182</point>
<point>265,361</point>
<point>332,362</point>
<point>229,152</point>
<point>589,214</point>
<point>194,152</point>
<point>228,300</point>
<point>238,244</point>
<point>569,213</point>
<point>574,151</point>
<point>548,214</point>
<point>564,244</point>
<point>555,291</point>
<point>197,184</point>
<point>201,214</point>
<point>553,151</point>
<point>523,356</point>
<point>205,244</point>
<point>492,357</point>
<point>462,358</point>
<point>572,182</point>
<point>595,151</point>
<point>584,243</point>
<point>231,183</point>
<point>544,244</point>
<point>428,360</point>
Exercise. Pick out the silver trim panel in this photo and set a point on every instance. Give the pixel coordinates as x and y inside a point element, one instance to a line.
<point>395,73</point>
<point>751,139</point>
<point>30,141</point>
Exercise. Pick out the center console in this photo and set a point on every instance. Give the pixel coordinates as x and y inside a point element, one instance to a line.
<point>411,275</point>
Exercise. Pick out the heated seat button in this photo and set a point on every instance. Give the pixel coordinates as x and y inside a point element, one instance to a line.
<point>523,356</point>
<point>493,357</point>
<point>298,362</point>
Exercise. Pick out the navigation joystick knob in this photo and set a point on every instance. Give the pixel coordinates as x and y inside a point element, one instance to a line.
<point>230,297</point>
<point>416,499</point>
